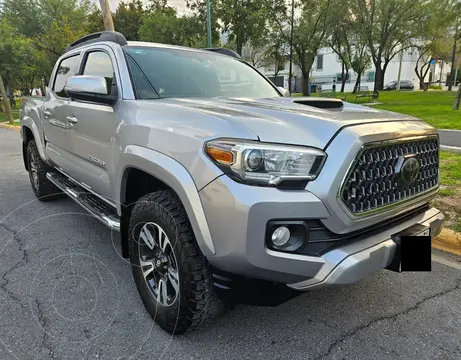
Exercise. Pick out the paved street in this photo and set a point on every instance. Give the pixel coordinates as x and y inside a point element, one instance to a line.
<point>451,138</point>
<point>65,293</point>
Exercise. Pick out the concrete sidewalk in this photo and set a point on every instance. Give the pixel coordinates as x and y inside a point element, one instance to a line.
<point>450,140</point>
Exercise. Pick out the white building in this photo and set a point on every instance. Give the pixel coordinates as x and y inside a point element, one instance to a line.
<point>327,66</point>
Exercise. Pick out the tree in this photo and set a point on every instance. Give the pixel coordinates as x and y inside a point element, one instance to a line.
<point>457,99</point>
<point>388,26</point>
<point>6,61</point>
<point>243,20</point>
<point>309,32</point>
<point>276,52</point>
<point>163,25</point>
<point>128,18</point>
<point>50,24</point>
<point>255,54</point>
<point>199,8</point>
<point>360,60</point>
<point>95,21</point>
<point>342,30</point>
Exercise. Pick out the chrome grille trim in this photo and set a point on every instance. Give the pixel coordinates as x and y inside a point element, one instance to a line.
<point>425,148</point>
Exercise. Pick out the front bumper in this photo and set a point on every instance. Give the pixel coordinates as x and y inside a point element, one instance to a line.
<point>238,214</point>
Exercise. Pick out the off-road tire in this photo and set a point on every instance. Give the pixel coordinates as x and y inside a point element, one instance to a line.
<point>197,301</point>
<point>43,188</point>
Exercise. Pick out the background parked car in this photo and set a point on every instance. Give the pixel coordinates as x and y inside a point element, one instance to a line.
<point>404,85</point>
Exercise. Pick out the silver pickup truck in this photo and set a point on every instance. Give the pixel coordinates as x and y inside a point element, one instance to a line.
<point>219,184</point>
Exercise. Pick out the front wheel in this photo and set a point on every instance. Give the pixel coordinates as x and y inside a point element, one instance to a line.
<point>172,276</point>
<point>43,188</point>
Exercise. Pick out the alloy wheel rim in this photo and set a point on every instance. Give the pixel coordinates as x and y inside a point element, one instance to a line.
<point>158,264</point>
<point>33,171</point>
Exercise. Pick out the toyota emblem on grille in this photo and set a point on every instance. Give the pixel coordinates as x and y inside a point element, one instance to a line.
<point>408,170</point>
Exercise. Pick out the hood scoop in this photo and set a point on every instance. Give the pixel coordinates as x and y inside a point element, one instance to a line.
<point>321,103</point>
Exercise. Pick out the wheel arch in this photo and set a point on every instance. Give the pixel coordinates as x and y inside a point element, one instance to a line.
<point>150,170</point>
<point>27,135</point>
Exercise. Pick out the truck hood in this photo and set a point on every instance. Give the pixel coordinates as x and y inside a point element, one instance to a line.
<point>289,120</point>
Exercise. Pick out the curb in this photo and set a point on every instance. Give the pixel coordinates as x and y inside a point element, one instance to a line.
<point>448,240</point>
<point>10,127</point>
<point>450,148</point>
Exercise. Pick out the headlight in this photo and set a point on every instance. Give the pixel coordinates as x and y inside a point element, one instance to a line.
<point>265,164</point>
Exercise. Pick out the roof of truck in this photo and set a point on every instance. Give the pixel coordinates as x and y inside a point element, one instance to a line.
<point>118,38</point>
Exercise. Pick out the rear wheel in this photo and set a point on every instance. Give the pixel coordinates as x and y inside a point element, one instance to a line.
<point>171,274</point>
<point>43,188</point>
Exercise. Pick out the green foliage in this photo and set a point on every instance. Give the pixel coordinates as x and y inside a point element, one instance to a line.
<point>21,63</point>
<point>243,21</point>
<point>199,8</point>
<point>95,22</point>
<point>128,19</point>
<point>309,30</point>
<point>49,26</point>
<point>389,26</point>
<point>163,25</point>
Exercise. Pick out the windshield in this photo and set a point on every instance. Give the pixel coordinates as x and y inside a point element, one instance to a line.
<point>167,73</point>
<point>392,83</point>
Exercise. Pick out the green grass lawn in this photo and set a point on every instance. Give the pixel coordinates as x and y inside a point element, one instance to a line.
<point>435,107</point>
<point>4,117</point>
<point>449,199</point>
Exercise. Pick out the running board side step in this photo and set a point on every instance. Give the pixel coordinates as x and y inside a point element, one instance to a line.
<point>102,211</point>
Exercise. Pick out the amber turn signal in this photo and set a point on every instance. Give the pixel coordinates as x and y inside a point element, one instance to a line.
<point>220,155</point>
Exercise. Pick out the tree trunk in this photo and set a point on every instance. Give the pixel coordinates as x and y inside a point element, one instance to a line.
<point>343,79</point>
<point>6,102</point>
<point>306,87</point>
<point>378,78</point>
<point>458,97</point>
<point>383,74</point>
<point>357,83</point>
<point>239,43</point>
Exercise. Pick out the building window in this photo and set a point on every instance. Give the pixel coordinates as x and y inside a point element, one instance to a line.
<point>339,77</point>
<point>320,62</point>
<point>371,76</point>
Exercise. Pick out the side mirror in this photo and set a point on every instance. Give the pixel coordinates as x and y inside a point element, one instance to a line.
<point>89,88</point>
<point>284,91</point>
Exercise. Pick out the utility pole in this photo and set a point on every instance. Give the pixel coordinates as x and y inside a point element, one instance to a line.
<point>106,15</point>
<point>208,23</point>
<point>453,58</point>
<point>400,70</point>
<point>6,102</point>
<point>291,45</point>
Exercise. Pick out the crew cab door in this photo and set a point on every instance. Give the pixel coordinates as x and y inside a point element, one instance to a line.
<point>54,112</point>
<point>92,127</point>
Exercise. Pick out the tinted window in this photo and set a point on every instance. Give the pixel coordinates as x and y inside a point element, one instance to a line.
<point>98,63</point>
<point>185,73</point>
<point>67,68</point>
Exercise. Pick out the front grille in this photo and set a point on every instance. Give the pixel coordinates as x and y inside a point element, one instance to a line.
<point>376,178</point>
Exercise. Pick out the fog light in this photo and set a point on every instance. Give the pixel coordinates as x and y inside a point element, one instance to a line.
<point>280,236</point>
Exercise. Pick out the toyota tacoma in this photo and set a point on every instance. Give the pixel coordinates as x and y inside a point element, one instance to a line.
<point>214,178</point>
